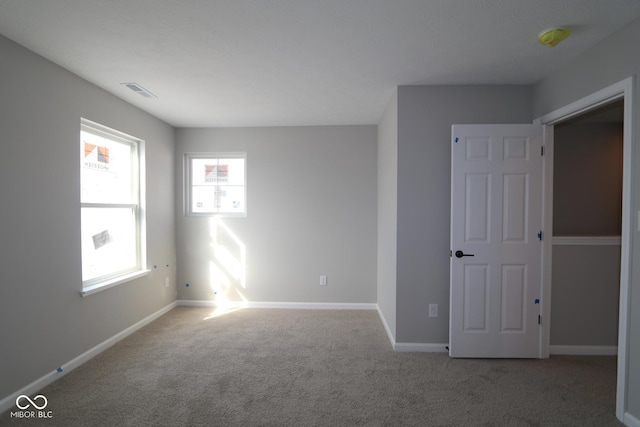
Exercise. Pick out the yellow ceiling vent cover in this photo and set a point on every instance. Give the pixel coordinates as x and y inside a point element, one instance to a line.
<point>553,36</point>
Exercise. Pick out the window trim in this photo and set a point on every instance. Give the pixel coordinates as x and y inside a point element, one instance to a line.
<point>138,205</point>
<point>115,281</point>
<point>188,185</point>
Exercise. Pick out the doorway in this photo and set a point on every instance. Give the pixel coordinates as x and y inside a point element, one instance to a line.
<point>623,91</point>
<point>587,225</point>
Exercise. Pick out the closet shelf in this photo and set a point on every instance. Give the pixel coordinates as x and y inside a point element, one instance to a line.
<point>587,240</point>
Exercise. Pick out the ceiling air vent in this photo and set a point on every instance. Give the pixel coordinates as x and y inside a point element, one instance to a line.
<point>139,90</point>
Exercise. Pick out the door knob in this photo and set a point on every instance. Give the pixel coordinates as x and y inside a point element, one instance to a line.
<point>460,254</point>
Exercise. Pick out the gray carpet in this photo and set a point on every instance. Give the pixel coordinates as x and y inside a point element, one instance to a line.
<point>263,367</point>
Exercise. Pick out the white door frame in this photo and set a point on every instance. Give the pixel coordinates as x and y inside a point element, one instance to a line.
<point>621,90</point>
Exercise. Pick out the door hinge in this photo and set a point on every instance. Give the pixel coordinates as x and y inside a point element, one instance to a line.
<point>539,319</point>
<point>540,235</point>
<point>542,150</point>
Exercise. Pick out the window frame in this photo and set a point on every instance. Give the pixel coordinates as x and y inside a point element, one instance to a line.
<point>188,184</point>
<point>136,204</point>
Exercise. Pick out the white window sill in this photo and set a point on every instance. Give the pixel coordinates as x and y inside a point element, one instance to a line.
<point>99,287</point>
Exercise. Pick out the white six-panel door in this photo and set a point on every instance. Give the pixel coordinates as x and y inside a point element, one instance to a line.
<point>496,215</point>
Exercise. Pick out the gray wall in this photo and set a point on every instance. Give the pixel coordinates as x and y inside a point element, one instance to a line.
<point>311,200</point>
<point>587,179</point>
<point>44,322</point>
<point>388,213</point>
<point>425,116</point>
<point>583,76</point>
<point>584,295</point>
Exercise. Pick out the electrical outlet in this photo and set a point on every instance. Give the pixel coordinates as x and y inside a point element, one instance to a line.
<point>433,310</point>
<point>323,280</point>
<point>166,282</point>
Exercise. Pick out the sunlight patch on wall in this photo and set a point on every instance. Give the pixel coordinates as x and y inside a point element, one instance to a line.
<point>229,252</point>
<point>227,264</point>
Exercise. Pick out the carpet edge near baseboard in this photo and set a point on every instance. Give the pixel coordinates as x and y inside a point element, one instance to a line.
<point>9,401</point>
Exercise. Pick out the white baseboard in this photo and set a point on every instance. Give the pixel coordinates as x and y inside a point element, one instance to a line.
<point>287,305</point>
<point>386,328</point>
<point>630,420</point>
<point>8,402</point>
<point>410,347</point>
<point>584,350</point>
<point>420,347</point>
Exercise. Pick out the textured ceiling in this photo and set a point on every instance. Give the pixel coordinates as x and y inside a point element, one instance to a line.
<point>301,62</point>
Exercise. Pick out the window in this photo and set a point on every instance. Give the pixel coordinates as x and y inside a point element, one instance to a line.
<point>216,184</point>
<point>112,214</point>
